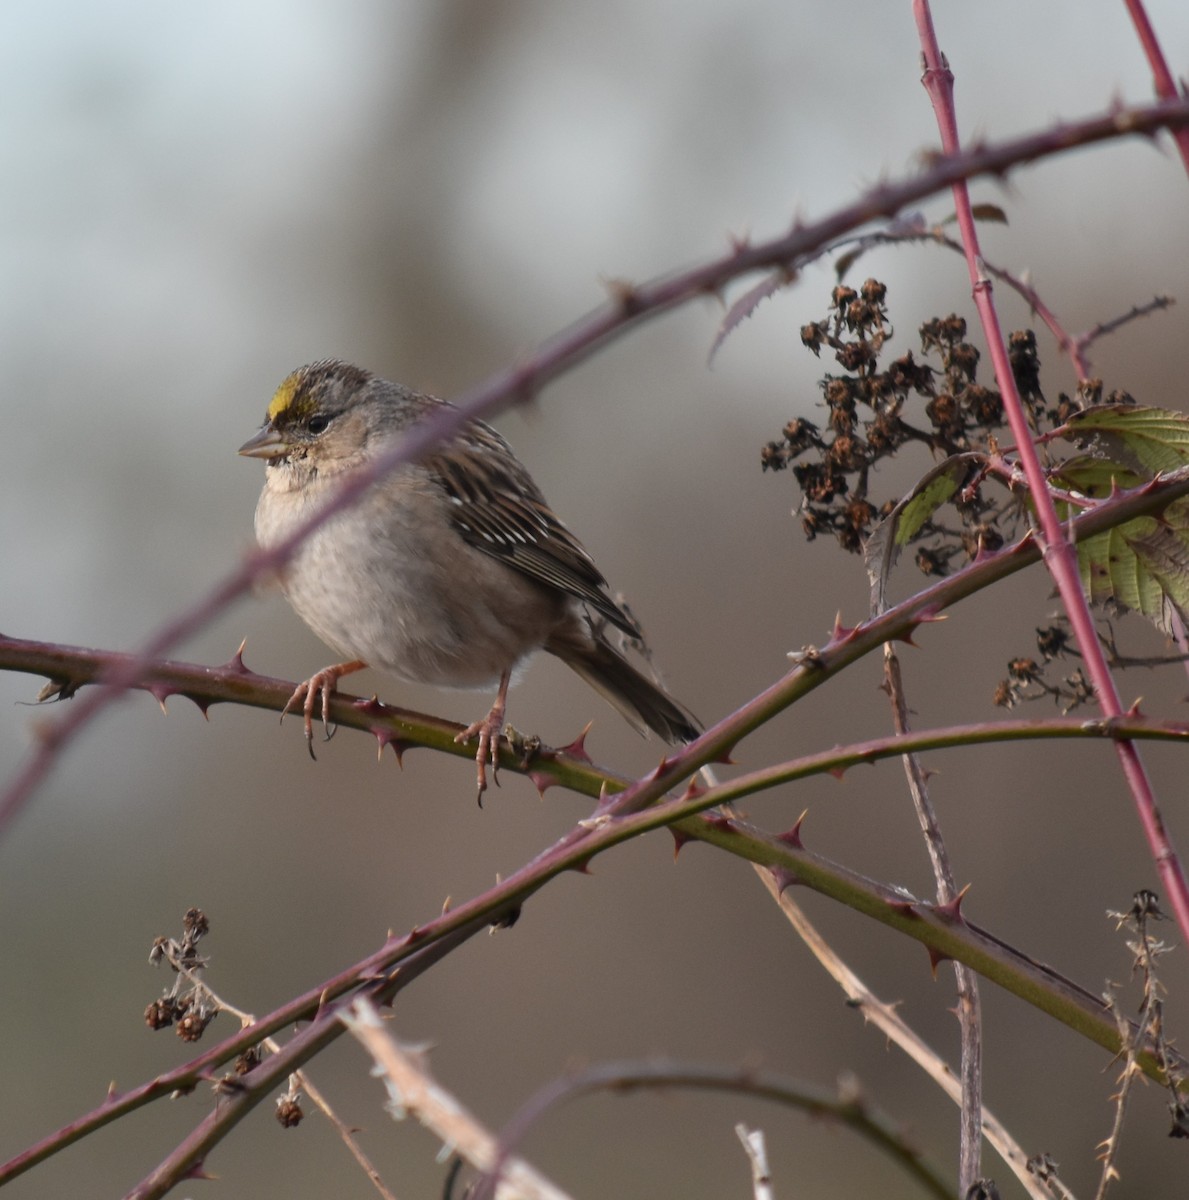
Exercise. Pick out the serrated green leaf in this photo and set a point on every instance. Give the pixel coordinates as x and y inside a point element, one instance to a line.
<point>1145,441</point>
<point>1141,566</point>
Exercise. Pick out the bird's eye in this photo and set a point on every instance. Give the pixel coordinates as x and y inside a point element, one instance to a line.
<point>317,423</point>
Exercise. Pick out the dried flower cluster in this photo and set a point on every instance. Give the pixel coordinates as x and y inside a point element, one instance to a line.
<point>1027,678</point>
<point>185,1005</point>
<point>873,410</point>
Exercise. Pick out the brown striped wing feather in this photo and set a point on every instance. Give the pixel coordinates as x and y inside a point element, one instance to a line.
<point>500,510</point>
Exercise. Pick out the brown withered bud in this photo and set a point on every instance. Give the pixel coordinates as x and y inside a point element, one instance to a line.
<point>773,457</point>
<point>905,375</point>
<point>801,434</point>
<point>864,316</point>
<point>842,418</point>
<point>941,332</point>
<point>809,477</point>
<point>1005,695</point>
<point>1025,670</point>
<point>849,537</point>
<point>195,923</point>
<point>819,482</point>
<point>841,296</point>
<point>159,1014</point>
<point>854,356</point>
<point>859,515</point>
<point>1080,689</point>
<point>192,1026</point>
<point>885,432</point>
<point>246,1061</point>
<point>984,405</point>
<point>839,392</point>
<point>811,523</point>
<point>289,1112</point>
<point>1120,397</point>
<point>1052,641</point>
<point>879,392</point>
<point>981,537</point>
<point>1145,905</point>
<point>847,453</point>
<point>1043,1166</point>
<point>930,334</point>
<point>945,415</point>
<point>930,561</point>
<point>1064,409</point>
<point>873,291</point>
<point>963,357</point>
<point>1025,363</point>
<point>1089,392</point>
<point>813,335</point>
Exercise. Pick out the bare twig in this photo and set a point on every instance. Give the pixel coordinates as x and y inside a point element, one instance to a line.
<point>413,1091</point>
<point>885,1018</point>
<point>848,1106</point>
<point>756,1150</point>
<point>969,1007</point>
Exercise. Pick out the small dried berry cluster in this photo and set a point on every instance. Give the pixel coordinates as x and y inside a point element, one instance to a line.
<point>873,410</point>
<point>1027,679</point>
<point>185,1004</point>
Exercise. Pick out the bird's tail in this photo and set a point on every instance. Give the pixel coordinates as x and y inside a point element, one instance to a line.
<point>643,703</point>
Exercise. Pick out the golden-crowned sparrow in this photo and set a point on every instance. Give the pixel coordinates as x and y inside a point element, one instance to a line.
<point>450,571</point>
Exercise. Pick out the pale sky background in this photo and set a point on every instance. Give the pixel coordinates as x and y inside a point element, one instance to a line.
<point>196,199</point>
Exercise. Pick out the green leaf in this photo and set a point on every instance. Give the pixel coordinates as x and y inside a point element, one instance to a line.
<point>904,522</point>
<point>1094,477</point>
<point>1143,565</point>
<point>1144,441</point>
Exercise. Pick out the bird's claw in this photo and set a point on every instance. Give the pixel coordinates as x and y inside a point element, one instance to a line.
<point>322,684</point>
<point>488,732</point>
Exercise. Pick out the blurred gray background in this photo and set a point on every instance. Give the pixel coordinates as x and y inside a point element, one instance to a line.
<point>195,200</point>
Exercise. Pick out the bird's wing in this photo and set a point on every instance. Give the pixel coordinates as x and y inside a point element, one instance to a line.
<point>499,509</point>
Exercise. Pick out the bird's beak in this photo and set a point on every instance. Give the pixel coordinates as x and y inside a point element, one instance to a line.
<point>268,443</point>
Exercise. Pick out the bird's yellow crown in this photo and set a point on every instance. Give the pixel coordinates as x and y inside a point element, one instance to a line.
<point>286,396</point>
<point>302,390</point>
